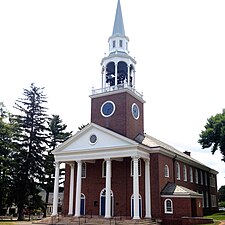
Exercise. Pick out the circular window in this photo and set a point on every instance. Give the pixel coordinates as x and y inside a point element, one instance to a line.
<point>108,108</point>
<point>135,111</point>
<point>93,139</point>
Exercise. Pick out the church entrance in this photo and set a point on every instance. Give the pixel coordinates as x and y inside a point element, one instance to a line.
<point>103,201</point>
<point>82,204</point>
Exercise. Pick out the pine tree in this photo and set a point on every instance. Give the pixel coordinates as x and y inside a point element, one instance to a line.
<point>57,135</point>
<point>31,144</point>
<point>6,145</point>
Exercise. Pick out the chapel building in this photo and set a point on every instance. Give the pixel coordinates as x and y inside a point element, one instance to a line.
<point>113,168</point>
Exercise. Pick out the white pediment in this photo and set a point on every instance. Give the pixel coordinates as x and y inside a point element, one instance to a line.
<point>106,139</point>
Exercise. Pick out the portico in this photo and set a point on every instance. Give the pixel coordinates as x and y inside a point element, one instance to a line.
<point>128,149</point>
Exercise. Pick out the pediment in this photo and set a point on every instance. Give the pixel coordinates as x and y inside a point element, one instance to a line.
<point>106,139</point>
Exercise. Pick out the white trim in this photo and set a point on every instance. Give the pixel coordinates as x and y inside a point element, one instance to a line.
<point>165,206</point>
<point>114,108</point>
<point>180,196</point>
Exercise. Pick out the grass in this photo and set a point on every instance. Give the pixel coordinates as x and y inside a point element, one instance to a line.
<point>7,223</point>
<point>217,216</point>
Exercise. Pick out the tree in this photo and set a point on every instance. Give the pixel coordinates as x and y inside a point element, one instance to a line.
<point>214,134</point>
<point>57,135</point>
<point>222,194</point>
<point>31,144</point>
<point>6,145</point>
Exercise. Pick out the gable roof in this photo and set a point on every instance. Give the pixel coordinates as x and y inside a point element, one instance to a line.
<point>167,149</point>
<point>178,191</point>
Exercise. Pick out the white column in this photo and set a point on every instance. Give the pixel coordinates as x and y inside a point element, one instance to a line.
<point>56,190</point>
<point>136,215</point>
<point>108,189</point>
<point>71,188</point>
<point>116,73</point>
<point>134,79</point>
<point>78,189</point>
<point>128,75</point>
<point>103,77</point>
<point>147,190</point>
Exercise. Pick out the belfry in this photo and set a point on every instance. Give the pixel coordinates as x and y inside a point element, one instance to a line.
<point>113,168</point>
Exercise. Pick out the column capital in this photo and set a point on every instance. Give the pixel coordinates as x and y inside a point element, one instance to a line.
<point>107,159</point>
<point>57,163</point>
<point>72,164</point>
<point>136,157</point>
<point>147,160</point>
<point>79,161</point>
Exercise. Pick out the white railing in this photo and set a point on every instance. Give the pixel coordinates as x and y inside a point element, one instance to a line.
<point>114,88</point>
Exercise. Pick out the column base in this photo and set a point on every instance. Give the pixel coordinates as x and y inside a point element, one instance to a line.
<point>107,217</point>
<point>70,214</point>
<point>136,218</point>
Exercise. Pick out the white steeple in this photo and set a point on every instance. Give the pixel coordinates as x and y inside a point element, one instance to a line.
<point>118,67</point>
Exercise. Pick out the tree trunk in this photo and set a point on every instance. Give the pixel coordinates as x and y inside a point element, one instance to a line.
<point>20,212</point>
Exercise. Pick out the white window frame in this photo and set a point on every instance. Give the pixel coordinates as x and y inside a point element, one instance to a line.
<point>196,176</point>
<point>166,171</point>
<point>185,172</point>
<point>177,170</point>
<point>132,168</point>
<point>83,170</point>
<point>191,175</point>
<point>201,177</point>
<point>166,209</point>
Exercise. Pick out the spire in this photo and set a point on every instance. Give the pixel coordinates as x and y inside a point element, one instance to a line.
<point>118,23</point>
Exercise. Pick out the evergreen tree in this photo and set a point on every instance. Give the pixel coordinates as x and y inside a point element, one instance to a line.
<point>6,135</point>
<point>57,135</point>
<point>31,144</point>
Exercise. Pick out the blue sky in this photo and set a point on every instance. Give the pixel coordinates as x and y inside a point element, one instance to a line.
<point>179,47</point>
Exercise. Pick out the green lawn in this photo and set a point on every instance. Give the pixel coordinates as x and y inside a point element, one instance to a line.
<point>217,216</point>
<point>7,223</point>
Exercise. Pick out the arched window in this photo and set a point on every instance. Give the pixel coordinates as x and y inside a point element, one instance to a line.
<point>166,171</point>
<point>168,206</point>
<point>83,170</point>
<point>178,171</point>
<point>132,167</point>
<point>191,175</point>
<point>185,172</point>
<point>104,168</point>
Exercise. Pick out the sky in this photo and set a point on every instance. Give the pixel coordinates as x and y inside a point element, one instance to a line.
<point>179,46</point>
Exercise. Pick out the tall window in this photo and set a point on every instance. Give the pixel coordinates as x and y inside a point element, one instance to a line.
<point>114,44</point>
<point>196,176</point>
<point>166,171</point>
<point>212,180</point>
<point>201,178</point>
<point>168,206</point>
<point>104,168</point>
<point>121,43</point>
<point>207,199</point>
<point>132,167</point>
<point>178,171</point>
<point>185,172</point>
<point>83,170</point>
<point>206,179</point>
<point>191,175</point>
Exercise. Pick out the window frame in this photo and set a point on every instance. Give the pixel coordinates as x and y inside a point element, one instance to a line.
<point>177,170</point>
<point>166,171</point>
<point>168,210</point>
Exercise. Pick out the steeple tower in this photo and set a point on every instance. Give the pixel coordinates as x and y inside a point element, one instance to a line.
<point>117,105</point>
<point>118,68</point>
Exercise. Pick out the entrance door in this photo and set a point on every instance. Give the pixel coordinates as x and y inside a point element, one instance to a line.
<point>82,205</point>
<point>102,203</point>
<point>132,206</point>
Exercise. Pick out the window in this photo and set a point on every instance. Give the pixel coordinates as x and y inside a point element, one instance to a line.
<point>191,175</point>
<point>178,171</point>
<point>132,167</point>
<point>196,176</point>
<point>121,43</point>
<point>185,172</point>
<point>206,179</point>
<point>212,180</point>
<point>104,168</point>
<point>114,44</point>
<point>201,178</point>
<point>166,171</point>
<point>168,206</point>
<point>207,199</point>
<point>213,201</point>
<point>83,170</point>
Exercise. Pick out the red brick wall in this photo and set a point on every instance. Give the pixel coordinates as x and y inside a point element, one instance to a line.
<point>122,120</point>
